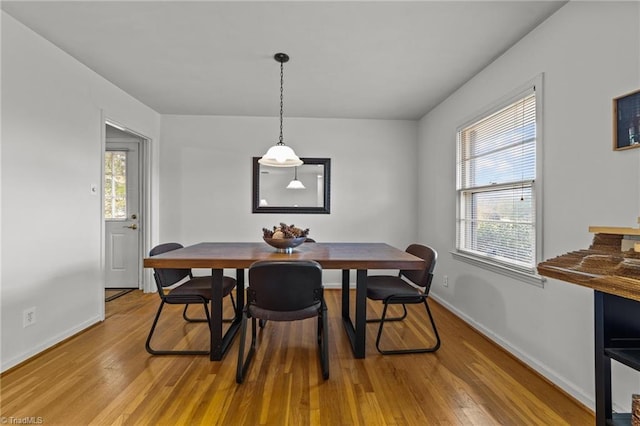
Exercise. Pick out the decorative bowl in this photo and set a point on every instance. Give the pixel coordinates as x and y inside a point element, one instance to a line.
<point>284,245</point>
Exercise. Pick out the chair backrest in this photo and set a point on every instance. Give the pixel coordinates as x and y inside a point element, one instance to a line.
<point>422,277</point>
<point>284,286</point>
<point>167,277</point>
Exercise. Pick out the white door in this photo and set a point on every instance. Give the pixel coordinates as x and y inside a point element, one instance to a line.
<point>122,214</point>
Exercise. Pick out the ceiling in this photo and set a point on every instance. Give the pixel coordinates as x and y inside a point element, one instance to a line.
<point>349,59</point>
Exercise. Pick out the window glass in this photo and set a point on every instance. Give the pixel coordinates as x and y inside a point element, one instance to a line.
<point>115,185</point>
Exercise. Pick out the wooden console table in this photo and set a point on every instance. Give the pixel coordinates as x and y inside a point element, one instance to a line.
<point>614,275</point>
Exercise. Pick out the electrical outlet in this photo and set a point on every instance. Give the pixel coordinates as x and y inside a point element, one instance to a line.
<point>28,317</point>
<point>445,281</point>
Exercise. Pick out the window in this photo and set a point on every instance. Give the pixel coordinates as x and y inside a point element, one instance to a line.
<point>497,225</point>
<point>115,185</point>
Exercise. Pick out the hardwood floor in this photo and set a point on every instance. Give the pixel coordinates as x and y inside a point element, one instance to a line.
<point>104,376</point>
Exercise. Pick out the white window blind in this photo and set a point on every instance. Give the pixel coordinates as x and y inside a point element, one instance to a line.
<point>496,176</point>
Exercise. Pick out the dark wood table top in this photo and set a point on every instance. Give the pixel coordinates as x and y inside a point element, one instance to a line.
<point>329,255</point>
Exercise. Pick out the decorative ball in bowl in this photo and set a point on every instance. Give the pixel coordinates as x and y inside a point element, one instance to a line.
<point>284,237</point>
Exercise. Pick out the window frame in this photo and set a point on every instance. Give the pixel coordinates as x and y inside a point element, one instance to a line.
<point>488,262</point>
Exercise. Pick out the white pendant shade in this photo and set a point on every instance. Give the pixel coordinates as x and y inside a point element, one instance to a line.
<point>295,184</point>
<point>280,156</point>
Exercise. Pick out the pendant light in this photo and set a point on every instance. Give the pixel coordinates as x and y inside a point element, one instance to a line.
<point>295,183</point>
<point>280,155</point>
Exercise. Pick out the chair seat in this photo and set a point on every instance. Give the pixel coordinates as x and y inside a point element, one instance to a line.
<point>201,287</point>
<point>379,287</point>
<point>300,314</point>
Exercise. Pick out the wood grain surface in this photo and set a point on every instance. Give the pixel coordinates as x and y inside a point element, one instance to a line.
<point>329,255</point>
<point>104,376</point>
<point>603,267</point>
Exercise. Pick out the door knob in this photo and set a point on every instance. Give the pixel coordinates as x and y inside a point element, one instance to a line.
<point>134,226</point>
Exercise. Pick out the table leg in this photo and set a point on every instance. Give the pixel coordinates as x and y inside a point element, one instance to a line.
<point>216,315</point>
<point>239,293</point>
<point>345,293</point>
<point>602,362</point>
<point>361,313</point>
<point>358,333</point>
<point>221,343</point>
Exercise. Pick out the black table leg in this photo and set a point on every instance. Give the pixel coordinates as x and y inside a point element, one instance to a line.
<point>361,312</point>
<point>221,343</point>
<point>216,315</point>
<point>239,293</point>
<point>358,333</point>
<point>345,293</point>
<point>603,363</point>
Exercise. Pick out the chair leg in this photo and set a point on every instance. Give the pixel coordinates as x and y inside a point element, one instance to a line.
<point>186,318</point>
<point>433,348</point>
<point>404,315</point>
<point>433,327</point>
<point>233,301</point>
<point>243,363</point>
<point>189,319</point>
<point>167,352</point>
<point>323,341</point>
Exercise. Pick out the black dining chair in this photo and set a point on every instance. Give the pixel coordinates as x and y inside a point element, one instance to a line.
<point>284,291</point>
<point>408,287</point>
<point>263,322</point>
<point>192,290</point>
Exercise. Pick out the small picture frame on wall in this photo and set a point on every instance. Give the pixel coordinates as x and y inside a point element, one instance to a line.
<point>626,121</point>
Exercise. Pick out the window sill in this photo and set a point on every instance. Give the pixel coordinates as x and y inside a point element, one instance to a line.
<point>527,277</point>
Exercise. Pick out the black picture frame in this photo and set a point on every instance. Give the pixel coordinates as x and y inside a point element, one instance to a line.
<point>626,121</point>
<point>258,207</point>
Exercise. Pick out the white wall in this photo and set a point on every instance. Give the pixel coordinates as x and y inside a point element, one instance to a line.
<point>52,112</point>
<point>206,168</point>
<point>589,53</point>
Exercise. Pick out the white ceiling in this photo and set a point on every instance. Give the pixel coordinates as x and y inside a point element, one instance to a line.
<point>350,59</point>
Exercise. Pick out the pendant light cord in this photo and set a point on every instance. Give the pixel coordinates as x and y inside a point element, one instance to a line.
<point>281,98</point>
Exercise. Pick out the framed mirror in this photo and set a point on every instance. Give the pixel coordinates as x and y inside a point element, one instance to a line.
<point>275,192</point>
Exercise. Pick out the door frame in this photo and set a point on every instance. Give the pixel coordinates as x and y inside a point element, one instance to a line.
<point>144,276</point>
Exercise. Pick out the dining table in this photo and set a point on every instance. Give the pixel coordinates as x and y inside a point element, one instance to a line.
<point>345,256</point>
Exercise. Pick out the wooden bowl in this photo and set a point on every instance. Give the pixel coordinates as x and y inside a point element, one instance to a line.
<point>284,245</point>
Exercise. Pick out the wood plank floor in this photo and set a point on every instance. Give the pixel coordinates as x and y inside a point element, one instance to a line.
<point>104,376</point>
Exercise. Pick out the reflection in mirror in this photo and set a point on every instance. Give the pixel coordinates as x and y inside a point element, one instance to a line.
<point>274,189</point>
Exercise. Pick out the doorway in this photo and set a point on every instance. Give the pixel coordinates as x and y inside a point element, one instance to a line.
<point>123,213</point>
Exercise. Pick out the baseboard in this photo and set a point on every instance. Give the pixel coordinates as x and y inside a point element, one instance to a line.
<point>337,286</point>
<point>50,343</point>
<point>548,374</point>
